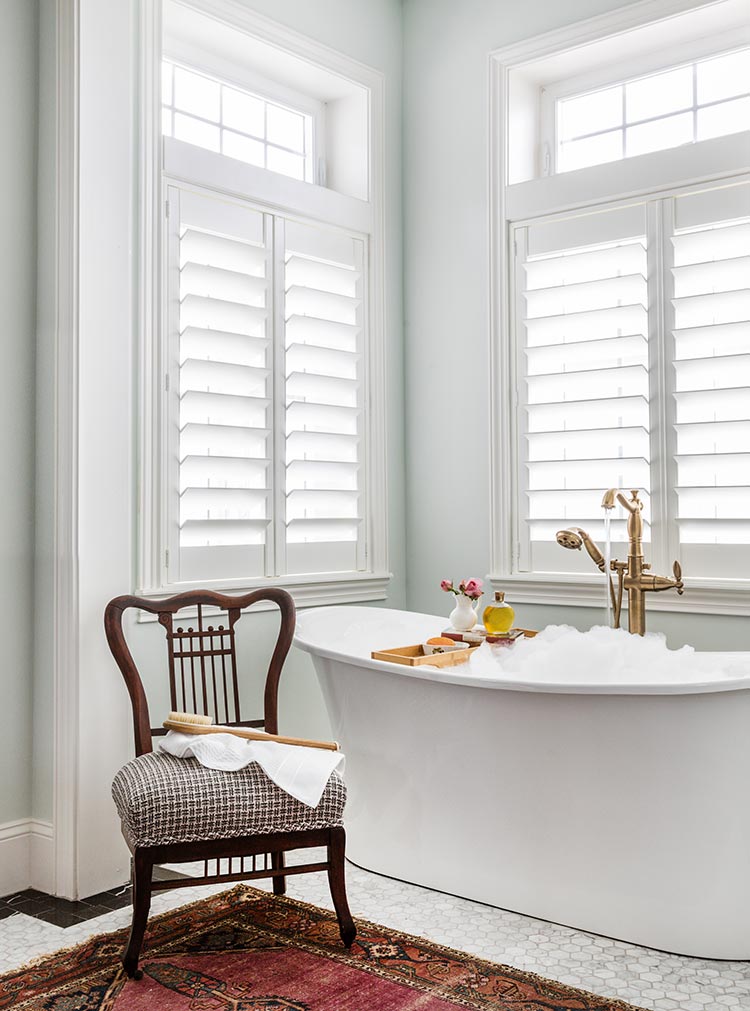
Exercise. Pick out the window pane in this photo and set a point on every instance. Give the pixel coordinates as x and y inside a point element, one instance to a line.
<point>591,113</point>
<point>660,94</point>
<point>196,94</point>
<point>724,77</point>
<point>591,151</point>
<point>242,112</point>
<point>659,134</point>
<point>166,83</point>
<point>288,164</point>
<point>244,148</point>
<point>285,128</point>
<point>195,131</point>
<point>719,120</point>
<point>166,122</point>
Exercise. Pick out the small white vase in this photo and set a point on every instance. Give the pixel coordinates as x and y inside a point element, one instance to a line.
<point>463,616</point>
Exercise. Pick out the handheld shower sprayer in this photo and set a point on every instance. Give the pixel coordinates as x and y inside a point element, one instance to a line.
<point>574,537</point>
<point>569,538</point>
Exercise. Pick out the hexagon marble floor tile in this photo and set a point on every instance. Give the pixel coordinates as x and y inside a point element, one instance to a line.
<point>649,979</point>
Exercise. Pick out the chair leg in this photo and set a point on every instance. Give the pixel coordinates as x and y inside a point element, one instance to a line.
<point>142,869</point>
<point>337,882</point>
<point>279,881</point>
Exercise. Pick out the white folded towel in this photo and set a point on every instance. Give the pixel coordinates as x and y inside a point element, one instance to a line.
<point>301,772</point>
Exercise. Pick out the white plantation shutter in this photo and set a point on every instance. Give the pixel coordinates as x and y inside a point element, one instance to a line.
<point>583,383</point>
<point>222,388</point>
<point>266,392</point>
<point>711,298</point>
<point>324,309</point>
<point>633,371</point>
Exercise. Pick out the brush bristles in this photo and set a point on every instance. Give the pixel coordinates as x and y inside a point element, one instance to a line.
<point>191,718</point>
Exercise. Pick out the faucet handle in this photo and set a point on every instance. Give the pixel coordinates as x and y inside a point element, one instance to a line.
<point>677,571</point>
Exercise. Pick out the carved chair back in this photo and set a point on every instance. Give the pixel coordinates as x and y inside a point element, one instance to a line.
<point>202,656</point>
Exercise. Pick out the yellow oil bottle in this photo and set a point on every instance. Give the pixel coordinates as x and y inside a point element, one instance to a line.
<point>498,617</point>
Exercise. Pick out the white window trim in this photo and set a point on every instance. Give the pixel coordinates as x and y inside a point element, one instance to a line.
<point>707,596</point>
<point>308,590</point>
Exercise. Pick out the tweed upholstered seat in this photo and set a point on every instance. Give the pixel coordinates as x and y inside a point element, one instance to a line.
<point>162,799</point>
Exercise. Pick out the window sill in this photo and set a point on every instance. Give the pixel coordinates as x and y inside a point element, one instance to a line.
<point>307,591</point>
<point>702,596</point>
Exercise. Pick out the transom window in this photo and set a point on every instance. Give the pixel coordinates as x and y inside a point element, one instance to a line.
<point>218,116</point>
<point>696,101</point>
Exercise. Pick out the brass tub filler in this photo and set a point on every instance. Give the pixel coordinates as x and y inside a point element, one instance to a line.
<point>633,575</point>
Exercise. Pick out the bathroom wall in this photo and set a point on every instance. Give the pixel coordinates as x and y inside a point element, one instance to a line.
<point>18,125</point>
<point>446,286</point>
<point>369,32</point>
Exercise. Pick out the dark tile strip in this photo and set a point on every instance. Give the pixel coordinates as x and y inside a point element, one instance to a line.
<point>63,912</point>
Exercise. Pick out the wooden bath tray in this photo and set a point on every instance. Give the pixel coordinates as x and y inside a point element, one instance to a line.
<point>476,638</point>
<point>412,656</point>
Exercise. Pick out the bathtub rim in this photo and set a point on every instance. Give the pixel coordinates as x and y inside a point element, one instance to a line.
<point>304,640</point>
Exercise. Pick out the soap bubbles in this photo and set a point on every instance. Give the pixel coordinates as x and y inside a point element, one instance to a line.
<point>561,655</point>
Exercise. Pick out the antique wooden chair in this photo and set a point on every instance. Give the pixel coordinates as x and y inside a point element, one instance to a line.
<point>172,810</point>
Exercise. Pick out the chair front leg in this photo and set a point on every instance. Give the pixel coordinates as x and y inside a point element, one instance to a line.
<point>279,880</point>
<point>337,883</point>
<point>142,871</point>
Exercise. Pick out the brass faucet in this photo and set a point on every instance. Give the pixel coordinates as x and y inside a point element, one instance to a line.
<point>631,575</point>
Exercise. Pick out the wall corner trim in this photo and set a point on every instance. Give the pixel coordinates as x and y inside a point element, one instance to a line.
<point>65,566</point>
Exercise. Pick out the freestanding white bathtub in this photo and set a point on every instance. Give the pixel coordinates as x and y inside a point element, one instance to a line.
<point>618,809</point>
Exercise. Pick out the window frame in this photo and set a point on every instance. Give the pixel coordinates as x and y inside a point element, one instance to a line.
<point>623,73</point>
<point>273,192</point>
<point>185,56</point>
<point>509,203</point>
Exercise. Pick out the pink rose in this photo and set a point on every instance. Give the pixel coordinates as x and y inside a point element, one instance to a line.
<point>473,588</point>
<point>446,584</point>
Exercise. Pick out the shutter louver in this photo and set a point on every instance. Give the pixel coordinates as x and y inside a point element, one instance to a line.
<point>224,403</point>
<point>584,386</point>
<point>711,299</point>
<point>324,399</point>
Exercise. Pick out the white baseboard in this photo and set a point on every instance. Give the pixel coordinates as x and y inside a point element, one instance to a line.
<point>26,856</point>
<point>42,856</point>
<point>15,856</point>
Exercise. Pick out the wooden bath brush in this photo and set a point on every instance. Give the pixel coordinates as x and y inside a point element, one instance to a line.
<point>192,723</point>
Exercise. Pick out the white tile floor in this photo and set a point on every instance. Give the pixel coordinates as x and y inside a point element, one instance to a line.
<point>646,978</point>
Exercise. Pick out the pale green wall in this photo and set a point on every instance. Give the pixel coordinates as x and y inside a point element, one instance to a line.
<point>446,287</point>
<point>18,120</point>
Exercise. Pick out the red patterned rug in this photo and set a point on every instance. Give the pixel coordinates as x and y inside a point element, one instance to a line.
<point>247,950</point>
